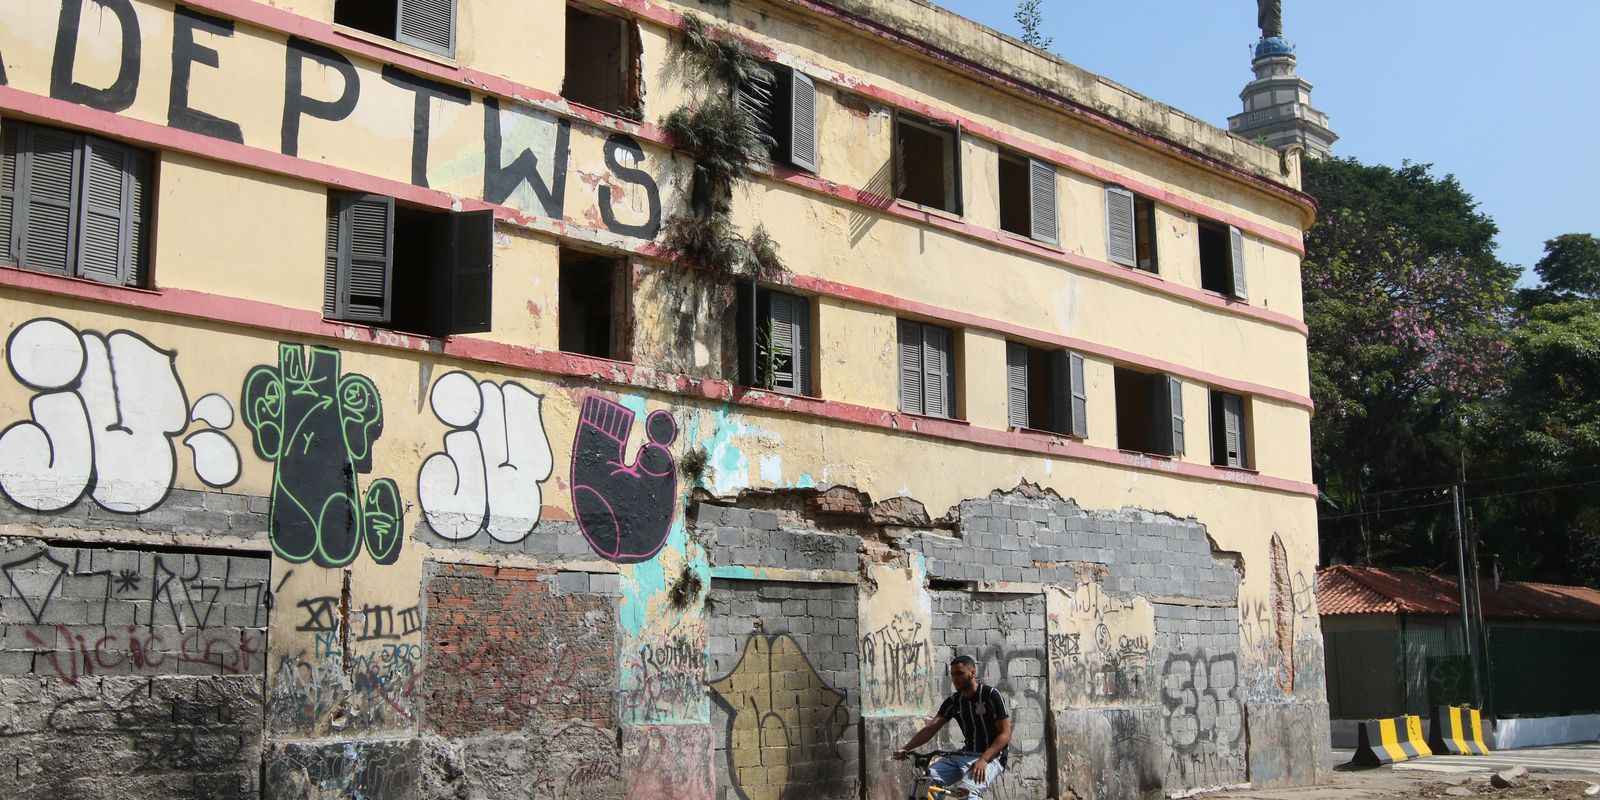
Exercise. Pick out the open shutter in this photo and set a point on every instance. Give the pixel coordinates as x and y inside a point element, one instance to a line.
<point>1120,245</point>
<point>105,225</point>
<point>48,193</point>
<point>957,204</point>
<point>802,121</point>
<point>471,272</point>
<point>745,335</point>
<point>911,367</point>
<point>802,344</point>
<point>1068,402</point>
<point>1042,201</point>
<point>756,97</point>
<point>1236,251</point>
<point>140,165</point>
<point>336,252</point>
<point>781,340</point>
<point>365,292</point>
<point>1175,410</point>
<point>1233,429</point>
<point>1017,384</point>
<point>1079,420</point>
<point>936,383</point>
<point>428,24</point>
<point>10,148</point>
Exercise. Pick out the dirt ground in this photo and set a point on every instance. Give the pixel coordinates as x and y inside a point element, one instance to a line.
<point>1532,786</point>
<point>1389,784</point>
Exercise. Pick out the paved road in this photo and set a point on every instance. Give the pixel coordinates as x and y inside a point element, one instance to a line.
<point>1576,758</point>
<point>1569,762</point>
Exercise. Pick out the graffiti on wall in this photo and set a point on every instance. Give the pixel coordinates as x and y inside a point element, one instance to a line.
<point>1203,719</point>
<point>667,677</point>
<point>495,456</point>
<point>668,761</point>
<point>1099,647</point>
<point>782,718</point>
<point>894,661</point>
<point>104,418</point>
<point>317,427</point>
<point>625,510</point>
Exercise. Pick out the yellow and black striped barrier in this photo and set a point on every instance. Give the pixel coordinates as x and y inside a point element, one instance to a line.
<point>1388,741</point>
<point>1457,730</point>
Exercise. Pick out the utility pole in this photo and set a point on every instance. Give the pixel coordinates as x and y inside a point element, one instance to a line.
<point>1466,606</point>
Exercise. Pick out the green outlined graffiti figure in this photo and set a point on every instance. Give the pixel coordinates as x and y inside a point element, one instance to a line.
<point>317,427</point>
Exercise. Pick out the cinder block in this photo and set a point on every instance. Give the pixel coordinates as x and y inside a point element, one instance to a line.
<point>572,582</point>
<point>764,520</point>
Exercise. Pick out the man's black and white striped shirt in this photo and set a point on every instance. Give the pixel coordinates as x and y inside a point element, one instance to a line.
<point>979,717</point>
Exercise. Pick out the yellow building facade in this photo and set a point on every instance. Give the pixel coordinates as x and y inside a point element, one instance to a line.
<point>364,436</point>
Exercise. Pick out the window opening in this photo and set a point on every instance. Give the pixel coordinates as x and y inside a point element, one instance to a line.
<point>593,305</point>
<point>602,63</point>
<point>927,163</point>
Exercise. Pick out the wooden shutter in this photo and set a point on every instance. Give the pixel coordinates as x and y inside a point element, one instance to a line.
<point>1120,237</point>
<point>1174,407</point>
<point>755,97</point>
<point>1017,384</point>
<point>937,389</point>
<point>367,259</point>
<point>10,147</point>
<point>109,196</point>
<point>428,24</point>
<point>780,326</point>
<point>911,375</point>
<point>471,272</point>
<point>1042,201</point>
<point>48,195</point>
<point>802,121</point>
<point>802,344</point>
<point>1233,429</point>
<point>334,254</point>
<point>1080,397</point>
<point>745,335</point>
<point>1069,402</point>
<point>1236,251</point>
<point>958,202</point>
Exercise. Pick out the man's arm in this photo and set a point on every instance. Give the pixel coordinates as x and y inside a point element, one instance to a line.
<point>1001,739</point>
<point>928,731</point>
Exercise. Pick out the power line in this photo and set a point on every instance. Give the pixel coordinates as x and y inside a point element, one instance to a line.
<point>1542,474</point>
<point>1470,500</point>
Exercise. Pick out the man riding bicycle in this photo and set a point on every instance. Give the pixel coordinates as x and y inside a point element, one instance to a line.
<point>978,709</point>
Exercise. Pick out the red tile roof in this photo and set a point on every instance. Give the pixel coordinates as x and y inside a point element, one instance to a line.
<point>1370,590</point>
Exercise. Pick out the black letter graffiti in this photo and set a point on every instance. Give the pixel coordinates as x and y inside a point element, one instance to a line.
<point>185,54</point>
<point>624,511</point>
<point>619,142</point>
<point>295,103</point>
<point>317,427</point>
<point>119,95</point>
<point>426,92</point>
<point>322,614</point>
<point>500,182</point>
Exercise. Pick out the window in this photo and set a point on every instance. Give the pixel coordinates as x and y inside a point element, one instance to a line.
<point>775,341</point>
<point>1130,229</point>
<point>593,305</point>
<point>1149,412</point>
<point>74,204</point>
<point>1028,197</point>
<point>1222,259</point>
<point>411,269</point>
<point>602,62</point>
<point>782,106</point>
<point>927,163</point>
<point>927,370</point>
<point>428,24</point>
<point>1045,390</point>
<point>1229,447</point>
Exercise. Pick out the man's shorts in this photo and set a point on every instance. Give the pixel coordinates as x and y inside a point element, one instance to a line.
<point>953,772</point>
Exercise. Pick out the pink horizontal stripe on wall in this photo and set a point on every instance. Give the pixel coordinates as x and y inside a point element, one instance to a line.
<point>276,319</point>
<point>159,136</point>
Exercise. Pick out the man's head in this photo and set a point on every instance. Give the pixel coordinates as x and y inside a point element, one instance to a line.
<point>963,673</point>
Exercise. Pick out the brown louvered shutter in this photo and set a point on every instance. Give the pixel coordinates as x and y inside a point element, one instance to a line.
<point>1175,411</point>
<point>48,194</point>
<point>111,224</point>
<point>911,367</point>
<point>1233,429</point>
<point>471,272</point>
<point>1017,384</point>
<point>1042,201</point>
<point>428,24</point>
<point>365,290</point>
<point>10,138</point>
<point>1120,244</point>
<point>1236,251</point>
<point>937,391</point>
<point>802,121</point>
<point>780,336</point>
<point>336,253</point>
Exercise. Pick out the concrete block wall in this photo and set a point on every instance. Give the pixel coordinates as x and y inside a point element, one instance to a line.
<point>759,538</point>
<point>186,511</point>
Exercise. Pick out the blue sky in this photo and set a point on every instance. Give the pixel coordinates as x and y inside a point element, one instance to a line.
<point>1504,95</point>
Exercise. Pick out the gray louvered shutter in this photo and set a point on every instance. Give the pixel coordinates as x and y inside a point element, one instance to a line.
<point>428,24</point>
<point>936,383</point>
<point>745,320</point>
<point>365,290</point>
<point>1175,409</point>
<point>1017,384</point>
<point>1042,201</point>
<point>1233,429</point>
<point>140,166</point>
<point>471,272</point>
<point>1066,393</point>
<point>802,343</point>
<point>48,194</point>
<point>10,147</point>
<point>1078,421</point>
<point>1236,251</point>
<point>111,205</point>
<point>780,325</point>
<point>1120,243</point>
<point>911,367</point>
<point>802,121</point>
<point>334,253</point>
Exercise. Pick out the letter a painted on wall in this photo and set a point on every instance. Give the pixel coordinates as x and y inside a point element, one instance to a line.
<point>624,511</point>
<point>317,427</point>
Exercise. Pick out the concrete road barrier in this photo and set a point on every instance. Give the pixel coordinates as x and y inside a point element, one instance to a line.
<point>1389,741</point>
<point>1457,730</point>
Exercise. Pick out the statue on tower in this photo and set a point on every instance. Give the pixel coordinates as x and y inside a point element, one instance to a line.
<point>1269,16</point>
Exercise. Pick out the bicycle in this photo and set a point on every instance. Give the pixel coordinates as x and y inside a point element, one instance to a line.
<point>925,787</point>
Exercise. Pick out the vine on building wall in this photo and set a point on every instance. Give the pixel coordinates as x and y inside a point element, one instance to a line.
<point>727,145</point>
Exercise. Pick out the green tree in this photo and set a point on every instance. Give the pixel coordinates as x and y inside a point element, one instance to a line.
<point>1031,18</point>
<point>1571,264</point>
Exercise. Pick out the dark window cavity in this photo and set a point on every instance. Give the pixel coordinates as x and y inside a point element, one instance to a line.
<point>602,62</point>
<point>1222,259</point>
<point>1149,413</point>
<point>1229,443</point>
<point>927,369</point>
<point>74,204</point>
<point>1130,229</point>
<point>1045,390</point>
<point>927,161</point>
<point>776,344</point>
<point>411,269</point>
<point>593,305</point>
<point>427,24</point>
<point>1028,197</point>
<point>780,105</point>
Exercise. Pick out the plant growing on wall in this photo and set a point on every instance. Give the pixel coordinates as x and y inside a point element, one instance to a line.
<point>727,145</point>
